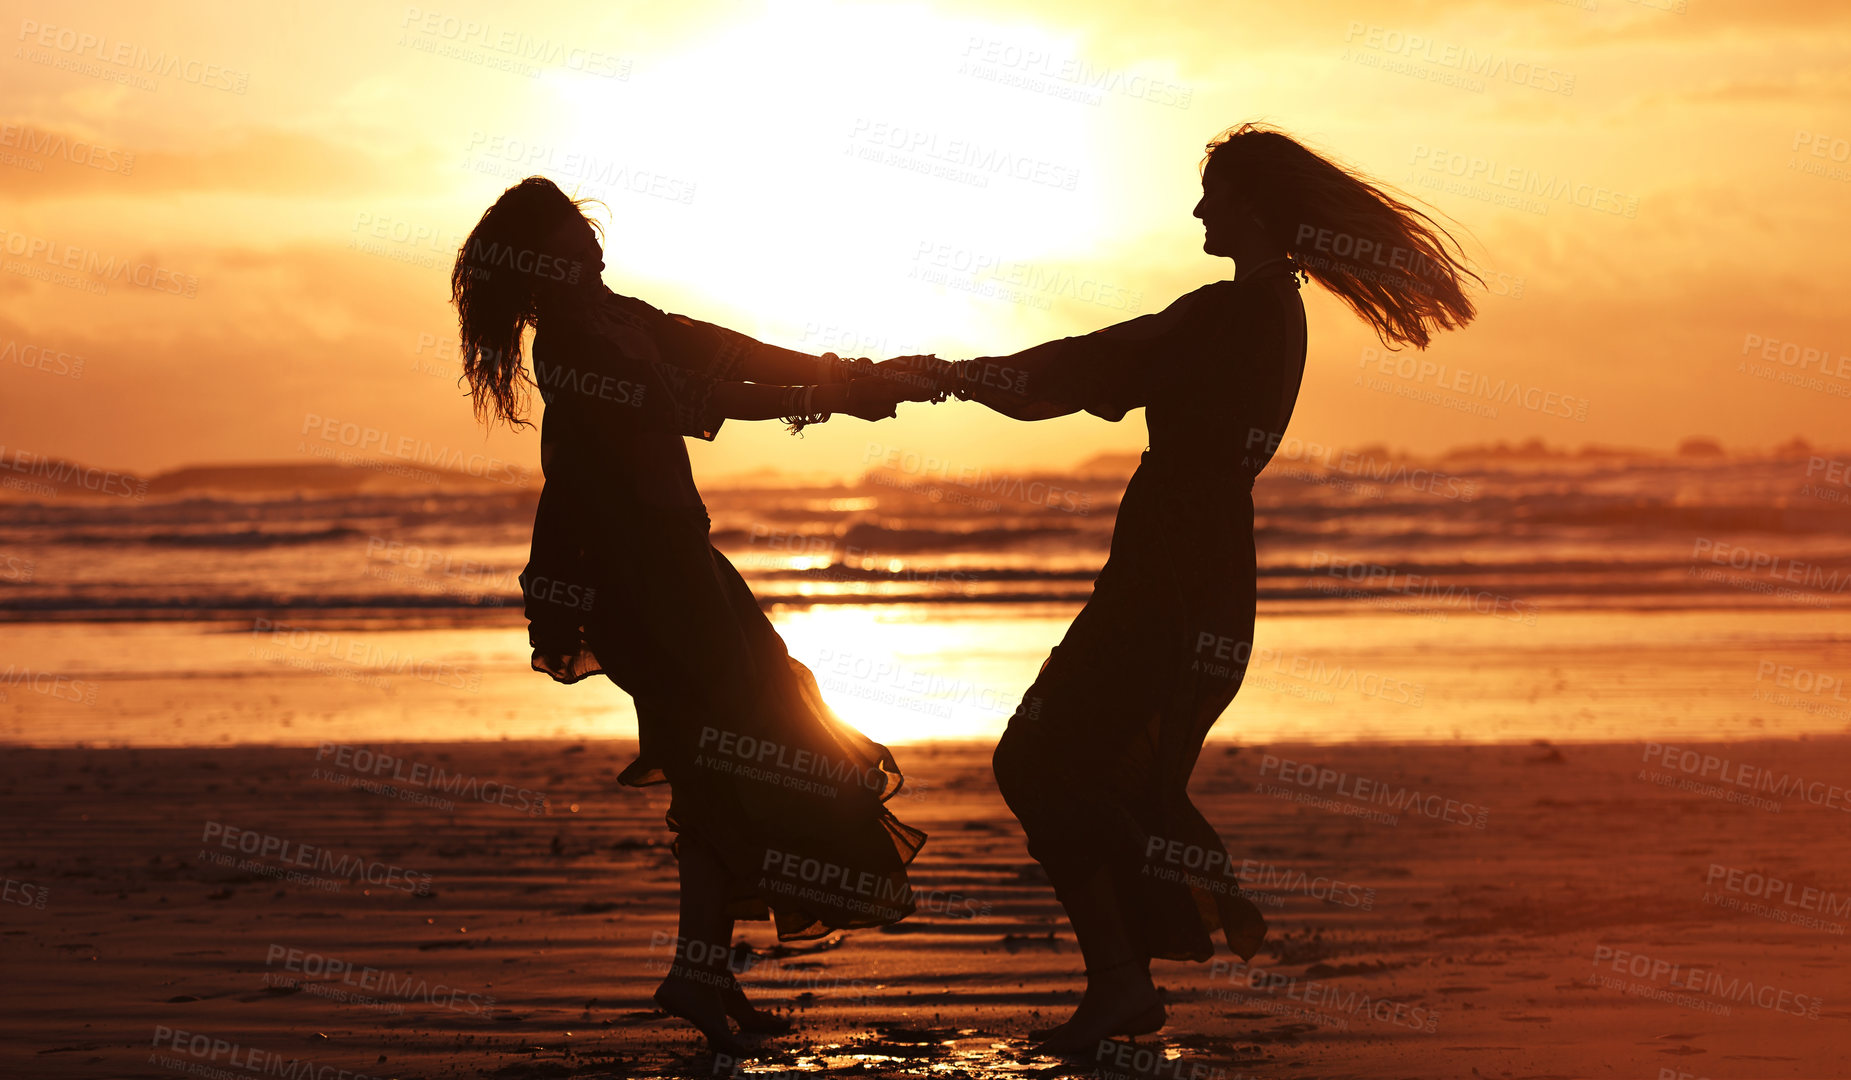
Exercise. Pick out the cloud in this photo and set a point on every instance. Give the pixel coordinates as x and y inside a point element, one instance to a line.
<point>51,162</point>
<point>1800,88</point>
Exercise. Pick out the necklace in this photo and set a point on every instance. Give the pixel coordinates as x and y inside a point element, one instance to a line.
<point>1291,269</point>
<point>1244,273</point>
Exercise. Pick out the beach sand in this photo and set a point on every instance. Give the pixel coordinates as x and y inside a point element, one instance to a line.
<point>1540,911</point>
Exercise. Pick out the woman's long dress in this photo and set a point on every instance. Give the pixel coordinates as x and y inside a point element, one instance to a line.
<point>1097,758</point>
<point>623,580</point>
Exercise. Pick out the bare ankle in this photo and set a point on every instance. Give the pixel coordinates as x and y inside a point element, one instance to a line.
<point>696,976</point>
<point>1128,973</point>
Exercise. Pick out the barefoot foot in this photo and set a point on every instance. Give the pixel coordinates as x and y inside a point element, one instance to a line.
<point>749,1017</point>
<point>701,1005</point>
<point>1124,1002</point>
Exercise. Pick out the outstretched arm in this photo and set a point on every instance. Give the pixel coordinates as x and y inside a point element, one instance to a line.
<point>1003,382</point>
<point>641,366</point>
<point>995,381</point>
<point>870,399</point>
<point>1105,373</point>
<point>729,354</point>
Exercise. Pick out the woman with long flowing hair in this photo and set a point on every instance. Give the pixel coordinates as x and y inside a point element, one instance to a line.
<point>1096,760</point>
<point>777,805</point>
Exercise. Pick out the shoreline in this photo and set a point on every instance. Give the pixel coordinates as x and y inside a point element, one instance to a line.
<point>508,610</point>
<point>914,674</point>
<point>950,743</point>
<point>1433,911</point>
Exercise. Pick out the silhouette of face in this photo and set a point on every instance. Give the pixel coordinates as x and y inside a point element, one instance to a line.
<point>1225,215</point>
<point>575,239</point>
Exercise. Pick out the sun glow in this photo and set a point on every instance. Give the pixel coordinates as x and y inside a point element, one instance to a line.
<point>925,183</point>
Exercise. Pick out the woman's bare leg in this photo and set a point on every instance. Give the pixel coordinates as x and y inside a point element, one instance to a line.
<point>1120,998</point>
<point>749,1017</point>
<point>694,986</point>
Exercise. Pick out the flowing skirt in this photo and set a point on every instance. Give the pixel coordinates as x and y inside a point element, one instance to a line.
<point>788,795</point>
<point>1097,758</point>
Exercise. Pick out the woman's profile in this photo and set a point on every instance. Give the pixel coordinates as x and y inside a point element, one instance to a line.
<point>623,581</point>
<point>1096,760</point>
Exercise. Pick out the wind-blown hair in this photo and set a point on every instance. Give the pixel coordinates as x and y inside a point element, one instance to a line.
<point>1392,264</point>
<point>497,285</point>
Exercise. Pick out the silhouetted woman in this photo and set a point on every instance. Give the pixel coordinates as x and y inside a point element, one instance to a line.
<point>777,805</point>
<point>1096,760</point>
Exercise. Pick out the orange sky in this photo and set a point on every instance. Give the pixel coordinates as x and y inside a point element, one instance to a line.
<point>280,194</point>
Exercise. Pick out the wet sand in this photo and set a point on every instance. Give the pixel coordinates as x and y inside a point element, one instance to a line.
<point>1529,911</point>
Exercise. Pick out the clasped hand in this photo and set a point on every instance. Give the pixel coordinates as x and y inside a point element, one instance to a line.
<point>873,391</point>
<point>926,377</point>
